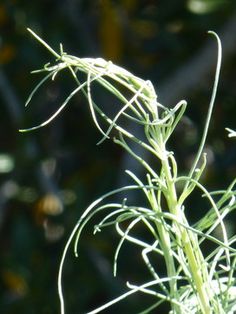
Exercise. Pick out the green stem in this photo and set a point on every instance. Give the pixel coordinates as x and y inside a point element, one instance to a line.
<point>165,244</point>
<point>210,109</point>
<point>187,241</point>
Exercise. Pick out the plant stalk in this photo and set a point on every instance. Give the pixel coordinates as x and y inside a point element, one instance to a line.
<point>196,265</point>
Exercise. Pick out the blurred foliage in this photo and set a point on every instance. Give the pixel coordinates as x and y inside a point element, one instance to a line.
<point>48,177</point>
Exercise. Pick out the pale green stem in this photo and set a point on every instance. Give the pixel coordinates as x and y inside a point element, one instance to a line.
<point>196,265</point>
<point>210,109</point>
<point>165,244</point>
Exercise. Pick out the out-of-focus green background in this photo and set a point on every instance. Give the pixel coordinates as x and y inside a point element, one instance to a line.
<point>48,177</point>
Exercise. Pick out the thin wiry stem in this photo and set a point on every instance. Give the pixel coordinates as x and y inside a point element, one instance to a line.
<point>210,108</point>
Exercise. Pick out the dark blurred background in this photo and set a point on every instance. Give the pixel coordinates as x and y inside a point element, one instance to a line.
<point>49,176</point>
